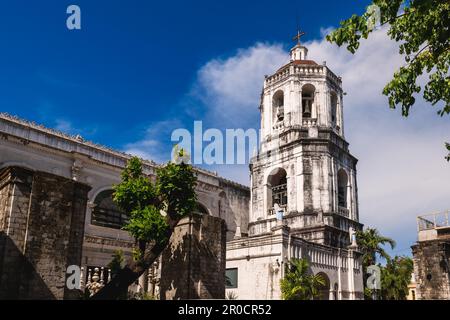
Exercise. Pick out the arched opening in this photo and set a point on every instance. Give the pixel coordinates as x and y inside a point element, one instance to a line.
<point>200,209</point>
<point>106,213</point>
<point>342,188</point>
<point>307,100</point>
<point>324,290</point>
<point>277,187</point>
<point>336,292</point>
<point>278,106</point>
<point>334,103</point>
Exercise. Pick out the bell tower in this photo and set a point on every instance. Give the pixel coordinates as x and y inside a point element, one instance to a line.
<point>304,176</point>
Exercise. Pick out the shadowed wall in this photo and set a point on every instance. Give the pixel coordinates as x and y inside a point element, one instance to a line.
<point>41,233</point>
<point>193,266</point>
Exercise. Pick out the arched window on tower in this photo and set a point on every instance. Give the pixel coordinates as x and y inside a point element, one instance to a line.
<point>334,103</point>
<point>106,213</point>
<point>307,100</point>
<point>278,106</point>
<point>277,184</point>
<point>342,188</point>
<point>324,289</point>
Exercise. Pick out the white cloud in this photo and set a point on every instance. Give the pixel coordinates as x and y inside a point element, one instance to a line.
<point>230,88</point>
<point>155,144</point>
<point>401,171</point>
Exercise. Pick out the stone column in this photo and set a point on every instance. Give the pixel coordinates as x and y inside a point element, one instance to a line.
<point>43,235</point>
<point>193,265</point>
<point>299,185</point>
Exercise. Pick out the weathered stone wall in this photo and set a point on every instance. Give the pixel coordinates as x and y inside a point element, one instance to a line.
<point>234,208</point>
<point>432,269</point>
<point>41,234</point>
<point>193,265</point>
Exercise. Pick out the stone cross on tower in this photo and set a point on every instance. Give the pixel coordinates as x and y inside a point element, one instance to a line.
<point>298,52</point>
<point>298,36</point>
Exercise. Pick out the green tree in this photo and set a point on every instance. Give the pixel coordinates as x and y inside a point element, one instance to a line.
<point>395,278</point>
<point>116,263</point>
<point>370,244</point>
<point>299,283</point>
<point>422,28</point>
<point>448,148</point>
<point>154,210</point>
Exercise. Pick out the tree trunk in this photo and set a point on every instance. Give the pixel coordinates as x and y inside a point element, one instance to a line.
<point>133,270</point>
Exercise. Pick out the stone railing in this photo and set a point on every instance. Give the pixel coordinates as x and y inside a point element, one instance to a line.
<point>324,257</point>
<point>343,211</point>
<point>316,256</point>
<point>303,70</point>
<point>96,278</point>
<point>297,70</point>
<point>278,76</point>
<point>272,212</point>
<point>309,70</point>
<point>309,122</point>
<point>279,125</point>
<point>261,226</point>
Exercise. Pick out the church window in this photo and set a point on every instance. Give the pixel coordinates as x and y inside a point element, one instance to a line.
<point>307,100</point>
<point>342,188</point>
<point>278,188</point>
<point>279,193</point>
<point>106,213</point>
<point>278,106</point>
<point>333,107</point>
<point>336,291</point>
<point>231,278</point>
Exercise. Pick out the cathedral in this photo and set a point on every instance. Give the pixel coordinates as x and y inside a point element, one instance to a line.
<point>303,201</point>
<point>56,206</point>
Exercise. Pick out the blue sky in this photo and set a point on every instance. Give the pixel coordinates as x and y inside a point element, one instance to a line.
<point>133,61</point>
<point>139,69</point>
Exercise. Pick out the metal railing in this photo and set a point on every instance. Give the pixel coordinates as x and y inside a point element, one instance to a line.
<point>433,221</point>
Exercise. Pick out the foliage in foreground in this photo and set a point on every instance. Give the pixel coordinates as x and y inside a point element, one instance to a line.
<point>299,283</point>
<point>395,278</point>
<point>422,29</point>
<point>370,244</point>
<point>154,209</point>
<point>395,275</point>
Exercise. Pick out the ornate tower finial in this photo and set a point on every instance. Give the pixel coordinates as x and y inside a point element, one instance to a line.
<point>298,36</point>
<point>298,52</point>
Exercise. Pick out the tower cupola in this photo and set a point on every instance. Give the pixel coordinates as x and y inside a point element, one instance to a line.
<point>299,52</point>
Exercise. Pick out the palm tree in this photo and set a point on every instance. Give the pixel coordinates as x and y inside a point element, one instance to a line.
<point>370,243</point>
<point>299,283</point>
<point>395,278</point>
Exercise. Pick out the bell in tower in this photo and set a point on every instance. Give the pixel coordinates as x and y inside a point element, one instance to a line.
<point>302,136</point>
<point>303,183</point>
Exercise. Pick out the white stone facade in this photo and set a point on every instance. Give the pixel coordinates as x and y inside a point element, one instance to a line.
<point>303,187</point>
<point>27,145</point>
<point>302,201</point>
